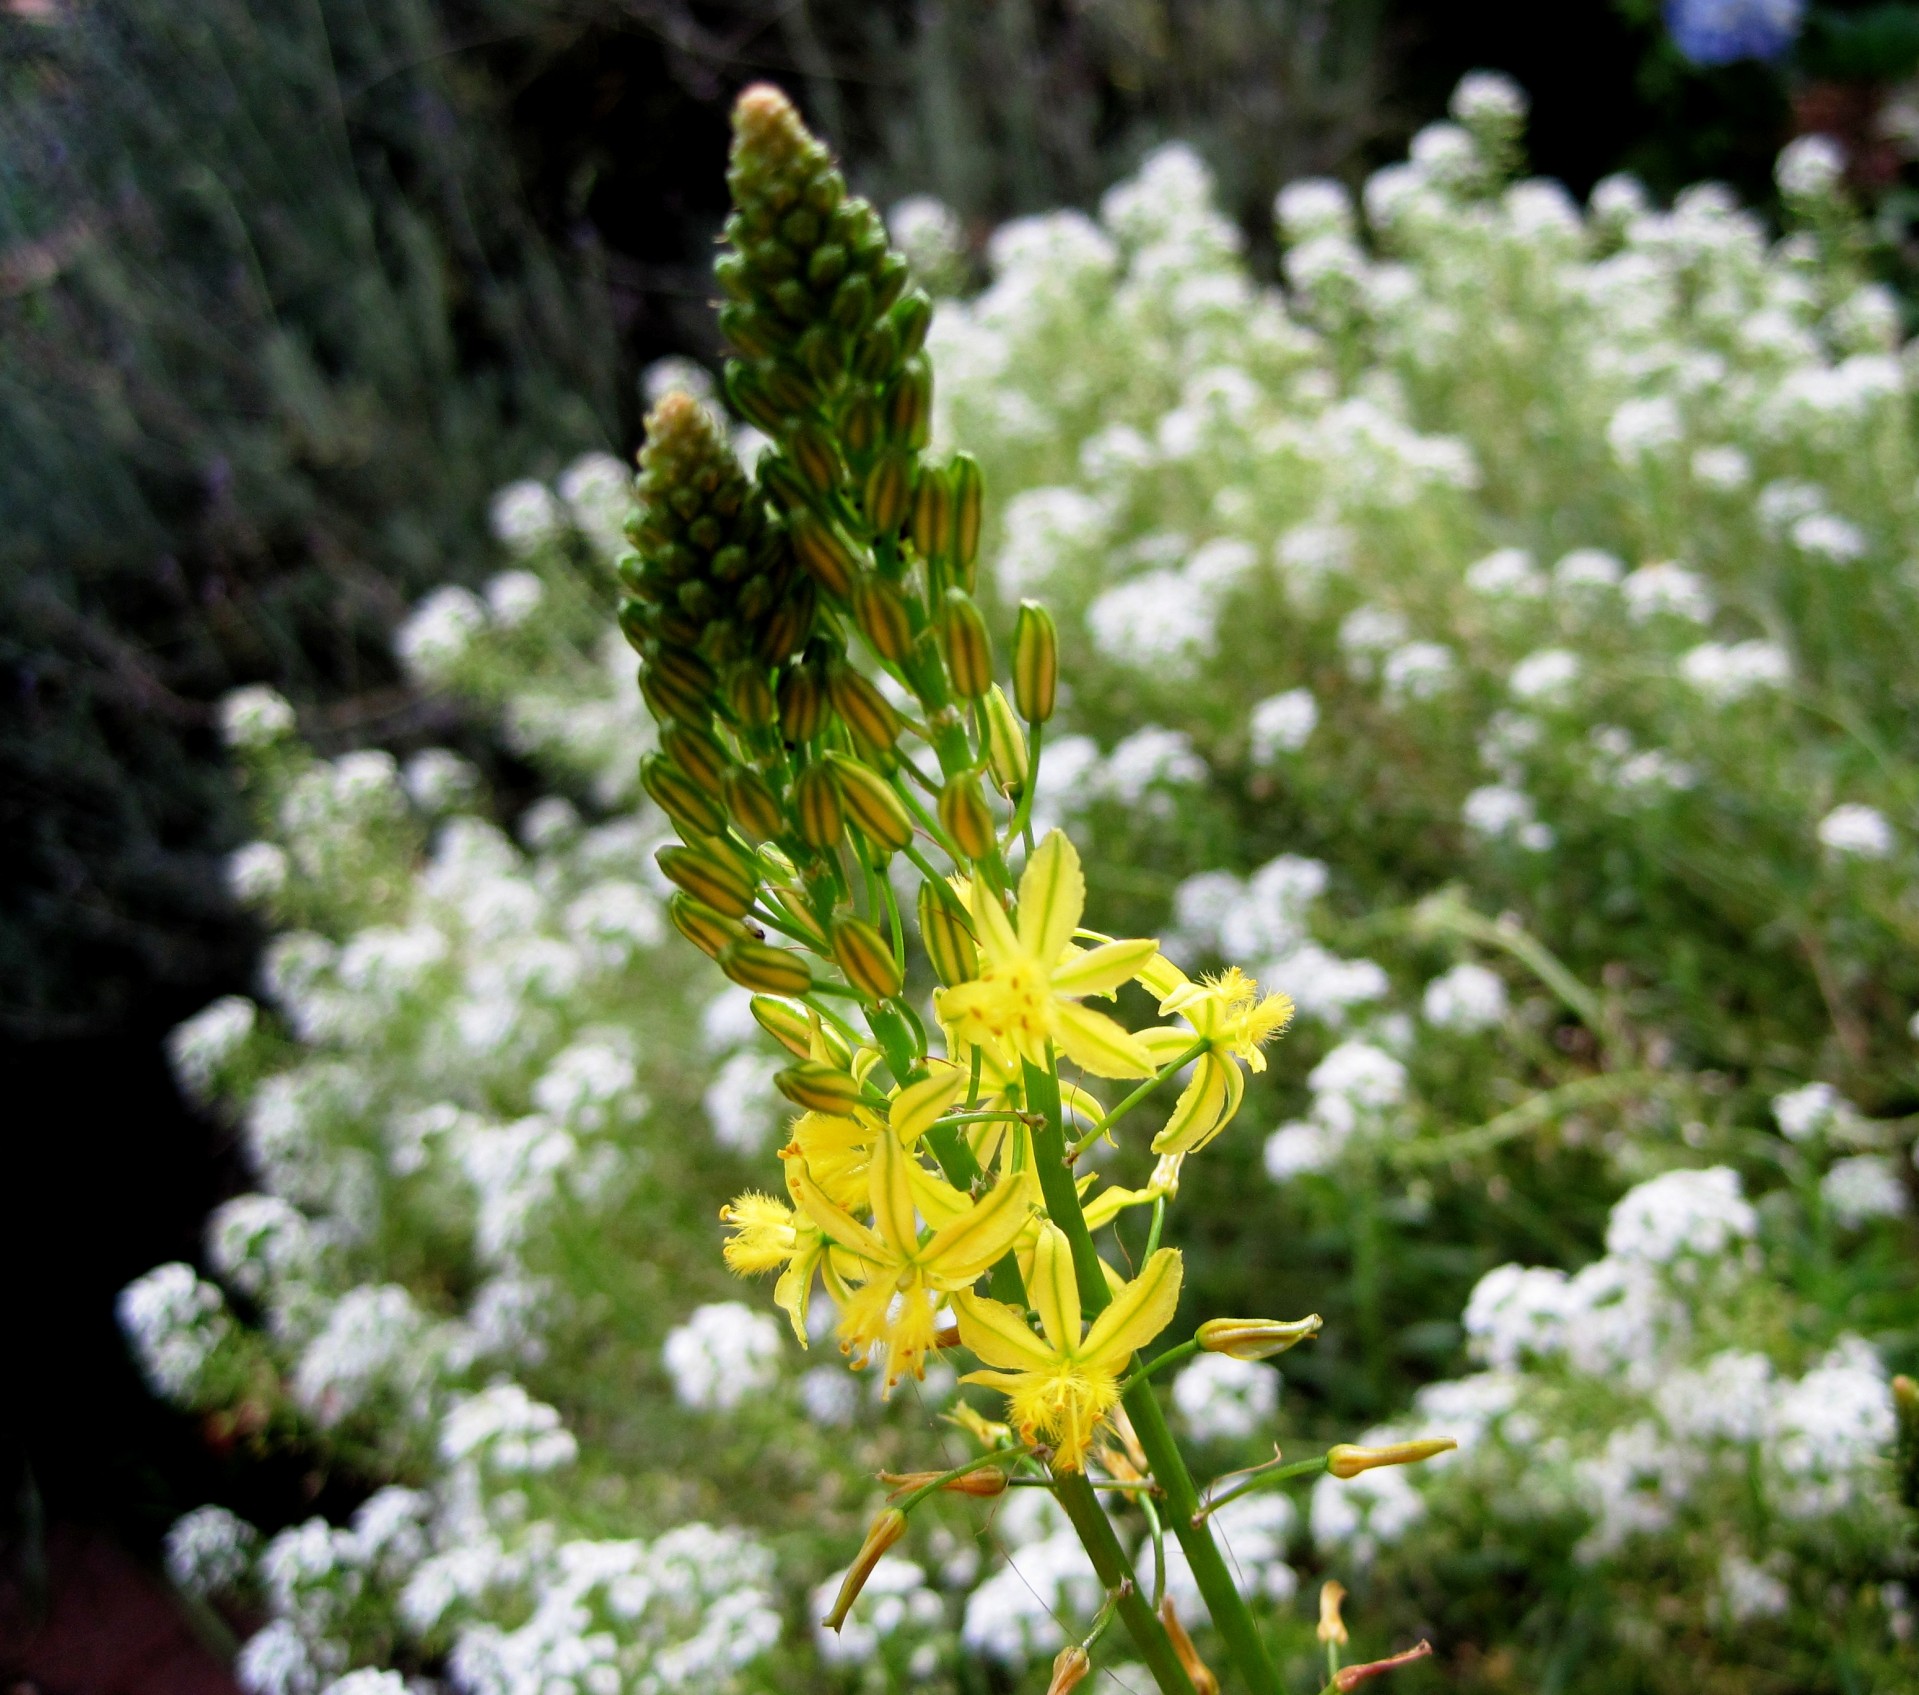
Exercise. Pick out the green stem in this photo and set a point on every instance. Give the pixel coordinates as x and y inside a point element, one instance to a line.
<point>1081,1506</point>
<point>1022,824</point>
<point>1264,1479</point>
<point>1172,1356</point>
<point>1133,1100</point>
<point>1227,1607</point>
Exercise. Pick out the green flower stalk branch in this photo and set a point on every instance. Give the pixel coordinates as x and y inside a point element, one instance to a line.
<point>809,640</point>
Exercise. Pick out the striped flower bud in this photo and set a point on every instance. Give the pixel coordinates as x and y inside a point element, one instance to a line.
<point>679,682</point>
<point>886,1531</point>
<point>750,696</point>
<point>751,802</point>
<point>947,939</point>
<point>880,610</point>
<point>1255,1338</point>
<point>909,404</point>
<point>829,556</point>
<point>888,492</point>
<point>803,704</point>
<point>788,624</point>
<point>819,1087</point>
<point>818,809</point>
<point>707,930</point>
<point>967,818</point>
<point>786,1023</point>
<point>966,645</point>
<point>862,424</point>
<point>765,969</point>
<point>1005,743</point>
<point>717,879</point>
<point>1344,1459</point>
<point>863,710</point>
<point>863,954</point>
<point>969,496</point>
<point>911,318</point>
<point>697,754</point>
<point>872,804</point>
<point>689,806</point>
<point>817,457</point>
<point>1035,662</point>
<point>932,520</point>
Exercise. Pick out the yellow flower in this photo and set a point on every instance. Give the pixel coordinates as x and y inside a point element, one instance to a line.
<point>837,1151</point>
<point>905,1278</point>
<point>1032,977</point>
<point>1230,1021</point>
<point>1062,1384</point>
<point>770,1236</point>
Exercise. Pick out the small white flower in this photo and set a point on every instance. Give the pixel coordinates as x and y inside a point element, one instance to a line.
<point>1862,1188</point>
<point>724,1353</point>
<point>209,1551</point>
<point>1645,429</point>
<point>1588,568</point>
<point>524,516</point>
<point>1725,672</point>
<point>1314,206</point>
<point>513,597</point>
<point>1486,98</point>
<point>1821,535</point>
<point>1416,672</point>
<point>1507,573</point>
<point>438,634</point>
<point>1222,1399</point>
<point>1723,468</point>
<point>255,717</point>
<point>1810,167</point>
<point>1300,1149</point>
<point>1545,677</point>
<point>677,375</point>
<point>200,1049</point>
<point>1854,831</point>
<point>1464,999</point>
<point>1667,590</point>
<point>1282,723</point>
<point>1806,1112</point>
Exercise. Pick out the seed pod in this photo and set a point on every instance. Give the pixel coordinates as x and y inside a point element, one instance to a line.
<point>967,818</point>
<point>948,942</point>
<point>816,804</point>
<point>880,610</point>
<point>819,1087</point>
<point>1005,743</point>
<point>824,549</point>
<point>864,710</point>
<point>863,954</point>
<point>689,806</point>
<point>1035,662</point>
<point>933,514</point>
<point>785,1023</point>
<point>871,804</point>
<point>909,404</point>
<point>765,969</point>
<point>803,704</point>
<point>710,877</point>
<point>751,697</point>
<point>752,803</point>
<point>967,646</point>
<point>816,455</point>
<point>707,930</point>
<point>888,492</point>
<point>697,754</point>
<point>969,491</point>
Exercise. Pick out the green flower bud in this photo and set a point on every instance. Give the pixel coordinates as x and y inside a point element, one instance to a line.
<point>969,492</point>
<point>752,803</point>
<point>1005,743</point>
<point>817,457</point>
<point>750,696</point>
<point>912,317</point>
<point>817,1087</point>
<point>803,703</point>
<point>888,493</point>
<point>832,558</point>
<point>677,684</point>
<point>966,645</point>
<point>862,424</point>
<point>966,817</point>
<point>707,930</point>
<point>817,807</point>
<point>947,939</point>
<point>1255,1338</point>
<point>909,404</point>
<point>682,800</point>
<point>765,969</point>
<point>697,754</point>
<point>932,518</point>
<point>863,954</point>
<point>1035,662</point>
<point>876,811</point>
<point>863,710</point>
<point>713,878</point>
<point>880,611</point>
<point>786,1023</point>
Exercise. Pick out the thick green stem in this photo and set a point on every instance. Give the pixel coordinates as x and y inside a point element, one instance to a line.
<point>1230,1615</point>
<point>1081,1506</point>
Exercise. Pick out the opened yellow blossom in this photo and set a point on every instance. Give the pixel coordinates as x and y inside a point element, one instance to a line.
<point>837,1151</point>
<point>767,1235</point>
<point>1061,1384</point>
<point>902,1278</point>
<point>1229,1022</point>
<point>1031,976</point>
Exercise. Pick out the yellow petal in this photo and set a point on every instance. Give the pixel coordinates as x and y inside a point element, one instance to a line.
<point>1054,1290</point>
<point>1140,1311</point>
<point>1166,1042</point>
<point>1101,970</point>
<point>916,1107</point>
<point>997,940</point>
<point>1197,1112</point>
<point>999,1334</point>
<point>1160,977</point>
<point>1100,1045</point>
<point>938,1201</point>
<point>1109,1203</point>
<point>794,1292</point>
<point>961,1250</point>
<point>836,1223</point>
<point>1052,895</point>
<point>891,1190</point>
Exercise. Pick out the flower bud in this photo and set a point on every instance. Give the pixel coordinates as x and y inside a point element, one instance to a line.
<point>986,1482</point>
<point>1070,1666</point>
<point>765,969</point>
<point>751,697</point>
<point>880,611</point>
<point>792,905</point>
<point>818,809</point>
<point>707,930</point>
<point>888,492</point>
<point>824,549</point>
<point>1005,743</point>
<point>909,404</point>
<point>948,942</point>
<point>785,1023</point>
<point>788,624</point>
<point>863,954</point>
<point>1203,1680</point>
<point>1343,1459</point>
<point>862,423</point>
<point>912,317</point>
<point>803,704</point>
<point>886,1531</point>
<point>872,805</point>
<point>967,646</point>
<point>967,818</point>
<point>752,803</point>
<point>679,681</point>
<point>746,393</point>
<point>817,457</point>
<point>1332,1628</point>
<point>696,753</point>
<point>1351,1677</point>
<point>819,1087</point>
<point>710,877</point>
<point>1035,662</point>
<point>867,713</point>
<point>1256,1338</point>
<point>689,806</point>
<point>932,523</point>
<point>969,490</point>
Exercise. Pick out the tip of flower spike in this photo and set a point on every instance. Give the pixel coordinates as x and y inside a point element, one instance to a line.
<point>766,123</point>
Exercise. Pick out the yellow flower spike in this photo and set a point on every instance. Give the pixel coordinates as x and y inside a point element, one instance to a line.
<point>1255,1338</point>
<point>1332,1628</point>
<point>1032,978</point>
<point>1344,1459</point>
<point>884,1534</point>
<point>1060,1384</point>
<point>1231,1022</point>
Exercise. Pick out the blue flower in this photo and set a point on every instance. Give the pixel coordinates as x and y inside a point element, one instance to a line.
<point>1721,32</point>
